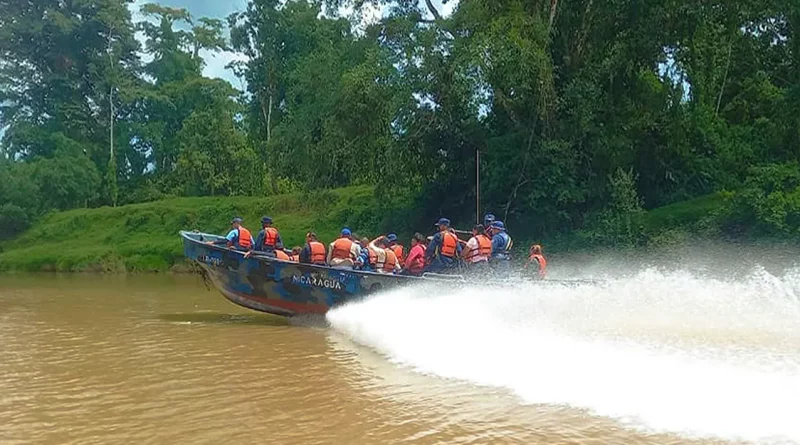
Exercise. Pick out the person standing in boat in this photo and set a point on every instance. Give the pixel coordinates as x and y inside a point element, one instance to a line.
<point>501,246</point>
<point>343,252</point>
<point>537,264</point>
<point>478,248</point>
<point>238,238</point>
<point>444,249</point>
<point>314,251</point>
<point>415,263</point>
<point>268,239</point>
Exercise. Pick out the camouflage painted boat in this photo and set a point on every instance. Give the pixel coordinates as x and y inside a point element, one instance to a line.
<point>280,287</point>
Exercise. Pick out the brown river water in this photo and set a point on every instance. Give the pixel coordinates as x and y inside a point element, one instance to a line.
<point>90,359</point>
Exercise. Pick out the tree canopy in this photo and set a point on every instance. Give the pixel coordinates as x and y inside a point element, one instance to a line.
<point>583,111</point>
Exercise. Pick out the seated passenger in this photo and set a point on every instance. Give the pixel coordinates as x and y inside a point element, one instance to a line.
<point>295,256</point>
<point>443,249</point>
<point>501,247</point>
<point>343,252</point>
<point>367,258</point>
<point>536,262</point>
<point>390,263</point>
<point>314,251</point>
<point>478,248</point>
<point>396,247</point>
<point>415,263</point>
<point>268,238</point>
<point>238,238</point>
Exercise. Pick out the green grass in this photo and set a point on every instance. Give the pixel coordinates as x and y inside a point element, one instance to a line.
<point>687,214</point>
<point>144,237</point>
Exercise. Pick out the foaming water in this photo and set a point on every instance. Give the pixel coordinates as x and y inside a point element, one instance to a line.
<point>666,352</point>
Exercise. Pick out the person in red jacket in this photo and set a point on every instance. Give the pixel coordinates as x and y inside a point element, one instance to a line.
<point>415,261</point>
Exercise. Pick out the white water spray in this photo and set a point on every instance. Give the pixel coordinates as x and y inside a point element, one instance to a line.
<point>669,352</point>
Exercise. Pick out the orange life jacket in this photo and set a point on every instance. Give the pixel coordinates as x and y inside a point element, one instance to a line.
<point>541,261</point>
<point>484,248</point>
<point>398,252</point>
<point>373,257</point>
<point>270,237</point>
<point>341,249</point>
<point>281,255</point>
<point>244,238</point>
<point>317,252</point>
<point>390,261</point>
<point>449,243</point>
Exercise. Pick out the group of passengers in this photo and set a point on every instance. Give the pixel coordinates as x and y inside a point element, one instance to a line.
<point>489,246</point>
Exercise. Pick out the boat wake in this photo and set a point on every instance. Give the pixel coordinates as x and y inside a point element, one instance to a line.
<point>662,351</point>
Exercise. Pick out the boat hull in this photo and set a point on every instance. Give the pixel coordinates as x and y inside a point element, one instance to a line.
<point>279,287</point>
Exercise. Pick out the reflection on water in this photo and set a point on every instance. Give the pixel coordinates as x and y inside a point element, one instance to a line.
<point>162,360</point>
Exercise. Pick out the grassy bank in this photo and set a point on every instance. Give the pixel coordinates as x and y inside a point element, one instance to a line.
<point>144,237</point>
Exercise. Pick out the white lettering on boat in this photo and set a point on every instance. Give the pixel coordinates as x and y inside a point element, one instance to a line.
<point>328,283</point>
<point>209,260</point>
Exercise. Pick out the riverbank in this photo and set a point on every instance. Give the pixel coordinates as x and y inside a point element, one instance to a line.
<point>144,237</point>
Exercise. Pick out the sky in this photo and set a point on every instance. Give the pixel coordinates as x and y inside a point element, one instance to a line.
<point>215,62</point>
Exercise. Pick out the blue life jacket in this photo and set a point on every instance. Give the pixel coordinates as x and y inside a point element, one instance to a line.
<point>501,246</point>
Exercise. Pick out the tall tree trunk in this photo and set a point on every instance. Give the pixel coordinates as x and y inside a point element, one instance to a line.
<point>724,77</point>
<point>553,9</point>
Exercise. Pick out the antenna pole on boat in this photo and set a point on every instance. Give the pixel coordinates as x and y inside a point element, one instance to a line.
<point>477,186</point>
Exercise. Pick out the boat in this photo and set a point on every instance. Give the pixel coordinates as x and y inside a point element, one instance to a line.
<point>285,288</point>
<point>267,284</point>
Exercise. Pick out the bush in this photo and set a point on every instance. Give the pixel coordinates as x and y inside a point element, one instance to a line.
<point>769,202</point>
<point>620,222</point>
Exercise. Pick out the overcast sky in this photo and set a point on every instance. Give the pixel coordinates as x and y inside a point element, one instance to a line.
<point>215,63</point>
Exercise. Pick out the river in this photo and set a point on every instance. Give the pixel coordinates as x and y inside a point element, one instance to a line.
<point>653,358</point>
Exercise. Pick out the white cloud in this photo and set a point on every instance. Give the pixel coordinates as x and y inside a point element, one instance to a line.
<point>215,67</point>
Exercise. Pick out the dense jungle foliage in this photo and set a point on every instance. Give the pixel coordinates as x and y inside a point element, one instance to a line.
<point>586,113</point>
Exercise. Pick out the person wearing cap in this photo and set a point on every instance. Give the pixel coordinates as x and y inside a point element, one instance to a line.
<point>268,239</point>
<point>343,252</point>
<point>444,248</point>
<point>397,248</point>
<point>488,219</point>
<point>415,263</point>
<point>314,251</point>
<point>238,238</point>
<point>501,244</point>
<point>382,257</point>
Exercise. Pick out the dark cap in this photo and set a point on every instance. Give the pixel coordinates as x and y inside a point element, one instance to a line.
<point>266,220</point>
<point>391,237</point>
<point>236,220</point>
<point>443,222</point>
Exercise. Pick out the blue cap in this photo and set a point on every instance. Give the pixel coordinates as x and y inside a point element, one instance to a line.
<point>391,237</point>
<point>498,225</point>
<point>443,222</point>
<point>346,232</point>
<point>489,217</point>
<point>236,220</point>
<point>266,220</point>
